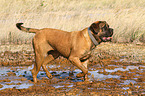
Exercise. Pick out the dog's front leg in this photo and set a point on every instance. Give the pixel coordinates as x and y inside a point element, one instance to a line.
<point>85,63</point>
<point>76,61</point>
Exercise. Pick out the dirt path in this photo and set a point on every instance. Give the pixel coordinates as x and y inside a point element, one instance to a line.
<point>114,69</point>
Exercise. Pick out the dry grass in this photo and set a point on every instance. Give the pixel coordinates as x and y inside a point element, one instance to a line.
<point>123,52</point>
<point>127,17</point>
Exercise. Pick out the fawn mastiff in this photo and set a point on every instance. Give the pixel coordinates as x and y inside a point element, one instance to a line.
<point>76,46</point>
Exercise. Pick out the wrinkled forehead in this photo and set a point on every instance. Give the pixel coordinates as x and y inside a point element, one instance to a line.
<point>102,24</point>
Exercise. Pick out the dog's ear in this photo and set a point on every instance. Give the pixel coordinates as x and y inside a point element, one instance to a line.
<point>96,26</point>
<point>103,24</point>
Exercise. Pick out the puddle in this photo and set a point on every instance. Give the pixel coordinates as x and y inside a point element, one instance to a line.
<point>22,86</point>
<point>16,80</point>
<point>19,77</point>
<point>126,69</point>
<point>101,76</point>
<point>26,73</point>
<point>127,82</point>
<point>125,88</point>
<point>58,86</point>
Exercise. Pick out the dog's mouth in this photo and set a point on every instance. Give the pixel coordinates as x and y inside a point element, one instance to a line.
<point>107,36</point>
<point>106,39</point>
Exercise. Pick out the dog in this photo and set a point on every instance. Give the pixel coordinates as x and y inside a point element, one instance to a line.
<point>76,46</point>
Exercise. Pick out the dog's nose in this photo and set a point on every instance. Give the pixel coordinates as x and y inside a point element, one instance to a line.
<point>111,31</point>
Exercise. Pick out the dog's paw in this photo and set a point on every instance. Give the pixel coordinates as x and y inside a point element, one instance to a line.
<point>50,76</point>
<point>80,75</point>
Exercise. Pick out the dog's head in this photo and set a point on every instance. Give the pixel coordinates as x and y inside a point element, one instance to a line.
<point>101,29</point>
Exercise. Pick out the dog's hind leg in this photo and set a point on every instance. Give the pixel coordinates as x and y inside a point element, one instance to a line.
<point>41,48</point>
<point>51,56</point>
<point>37,66</point>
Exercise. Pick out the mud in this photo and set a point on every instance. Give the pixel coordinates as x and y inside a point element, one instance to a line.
<point>108,75</point>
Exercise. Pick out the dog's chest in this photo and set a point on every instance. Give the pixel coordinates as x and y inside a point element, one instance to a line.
<point>87,53</point>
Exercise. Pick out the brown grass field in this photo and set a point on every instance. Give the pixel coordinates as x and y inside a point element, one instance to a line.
<point>127,17</point>
<point>116,68</point>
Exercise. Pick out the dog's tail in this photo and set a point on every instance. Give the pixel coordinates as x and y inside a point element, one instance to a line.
<point>30,30</point>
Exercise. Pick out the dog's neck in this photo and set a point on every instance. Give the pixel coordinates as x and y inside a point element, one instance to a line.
<point>94,37</point>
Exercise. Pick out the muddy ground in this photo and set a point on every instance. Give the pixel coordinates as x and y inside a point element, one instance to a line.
<point>114,69</point>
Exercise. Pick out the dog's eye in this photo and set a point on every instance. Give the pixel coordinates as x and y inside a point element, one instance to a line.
<point>105,28</point>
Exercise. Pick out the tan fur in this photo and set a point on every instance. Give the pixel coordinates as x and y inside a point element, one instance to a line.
<point>50,43</point>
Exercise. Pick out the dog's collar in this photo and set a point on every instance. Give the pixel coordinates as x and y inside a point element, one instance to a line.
<point>92,37</point>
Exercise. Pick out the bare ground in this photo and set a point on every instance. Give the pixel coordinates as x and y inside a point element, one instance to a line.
<point>114,69</point>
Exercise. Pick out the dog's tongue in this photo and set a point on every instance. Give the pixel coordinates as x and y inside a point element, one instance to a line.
<point>107,38</point>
